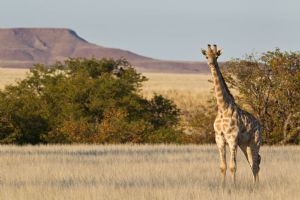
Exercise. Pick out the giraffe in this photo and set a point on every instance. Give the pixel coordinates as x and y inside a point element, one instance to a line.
<point>233,126</point>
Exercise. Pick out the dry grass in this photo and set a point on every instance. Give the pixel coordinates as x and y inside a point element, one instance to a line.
<point>10,75</point>
<point>192,83</point>
<point>141,172</point>
<point>186,90</point>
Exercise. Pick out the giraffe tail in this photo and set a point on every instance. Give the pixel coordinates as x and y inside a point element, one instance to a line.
<point>258,159</point>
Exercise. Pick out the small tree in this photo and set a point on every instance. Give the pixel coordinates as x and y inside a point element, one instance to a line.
<point>269,86</point>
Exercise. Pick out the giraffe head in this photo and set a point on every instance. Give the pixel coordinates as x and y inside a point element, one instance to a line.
<point>211,54</point>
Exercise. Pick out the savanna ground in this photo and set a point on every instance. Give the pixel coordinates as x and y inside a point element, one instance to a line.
<point>141,172</point>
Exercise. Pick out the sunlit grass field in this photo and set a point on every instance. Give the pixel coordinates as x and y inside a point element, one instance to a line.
<point>132,172</point>
<point>11,75</point>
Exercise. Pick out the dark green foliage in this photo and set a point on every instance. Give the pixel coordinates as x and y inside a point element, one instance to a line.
<point>166,135</point>
<point>164,112</point>
<point>85,101</point>
<point>201,122</point>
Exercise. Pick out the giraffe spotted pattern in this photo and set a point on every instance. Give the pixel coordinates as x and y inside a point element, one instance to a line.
<point>233,126</point>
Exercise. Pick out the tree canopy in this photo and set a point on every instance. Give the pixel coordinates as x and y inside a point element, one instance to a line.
<point>269,87</point>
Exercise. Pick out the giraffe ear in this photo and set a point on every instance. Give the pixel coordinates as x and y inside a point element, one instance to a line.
<point>203,52</point>
<point>219,52</point>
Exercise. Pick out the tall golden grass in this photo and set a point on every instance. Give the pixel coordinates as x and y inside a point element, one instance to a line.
<point>141,172</point>
<point>186,90</point>
<point>11,75</point>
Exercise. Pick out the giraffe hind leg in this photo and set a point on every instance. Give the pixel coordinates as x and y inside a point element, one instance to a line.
<point>254,161</point>
<point>248,154</point>
<point>256,157</point>
<point>256,167</point>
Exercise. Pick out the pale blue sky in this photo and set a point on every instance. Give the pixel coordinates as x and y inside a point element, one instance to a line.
<point>167,29</point>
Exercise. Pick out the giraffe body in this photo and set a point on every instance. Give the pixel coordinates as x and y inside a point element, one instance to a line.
<point>233,126</point>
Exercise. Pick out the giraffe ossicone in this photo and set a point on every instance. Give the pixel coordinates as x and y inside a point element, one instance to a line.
<point>233,126</point>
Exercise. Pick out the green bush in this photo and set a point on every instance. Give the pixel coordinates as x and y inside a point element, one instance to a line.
<point>201,123</point>
<point>85,101</point>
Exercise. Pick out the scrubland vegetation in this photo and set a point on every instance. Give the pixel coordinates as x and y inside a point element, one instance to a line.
<point>140,172</point>
<point>86,101</point>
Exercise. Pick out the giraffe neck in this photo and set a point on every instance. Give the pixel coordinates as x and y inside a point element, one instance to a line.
<point>222,93</point>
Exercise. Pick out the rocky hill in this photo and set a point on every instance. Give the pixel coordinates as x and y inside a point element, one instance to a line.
<point>23,47</point>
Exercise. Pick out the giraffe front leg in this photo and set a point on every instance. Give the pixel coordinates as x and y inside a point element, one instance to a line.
<point>222,151</point>
<point>233,152</point>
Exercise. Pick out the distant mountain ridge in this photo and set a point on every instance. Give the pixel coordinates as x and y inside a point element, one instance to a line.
<point>23,47</point>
